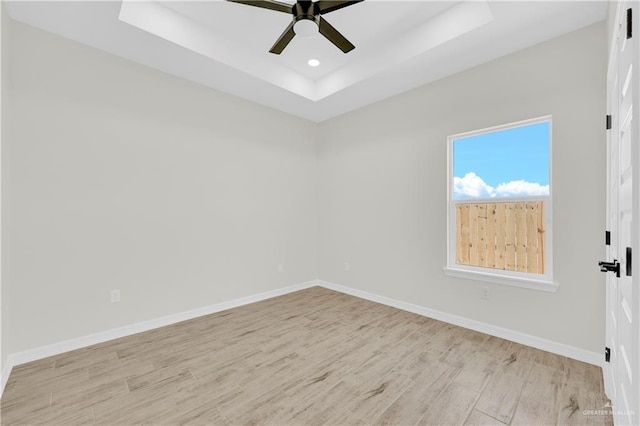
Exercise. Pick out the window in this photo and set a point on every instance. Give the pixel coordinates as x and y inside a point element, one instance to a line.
<point>499,191</point>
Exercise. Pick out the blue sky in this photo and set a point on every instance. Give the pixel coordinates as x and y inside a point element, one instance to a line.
<point>514,155</point>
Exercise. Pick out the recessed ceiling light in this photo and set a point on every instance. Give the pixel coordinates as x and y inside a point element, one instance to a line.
<point>313,62</point>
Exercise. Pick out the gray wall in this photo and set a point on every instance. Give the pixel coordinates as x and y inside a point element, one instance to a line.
<point>383,186</point>
<point>4,306</point>
<point>119,176</point>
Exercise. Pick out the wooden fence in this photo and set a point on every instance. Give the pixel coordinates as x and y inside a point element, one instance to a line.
<point>502,235</point>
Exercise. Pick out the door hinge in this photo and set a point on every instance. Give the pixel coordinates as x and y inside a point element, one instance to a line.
<point>629,23</point>
<point>607,238</point>
<point>628,262</point>
<point>607,354</point>
<point>608,122</point>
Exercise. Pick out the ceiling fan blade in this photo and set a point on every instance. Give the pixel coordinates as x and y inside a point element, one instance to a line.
<point>326,6</point>
<point>266,4</point>
<point>334,36</point>
<point>284,39</point>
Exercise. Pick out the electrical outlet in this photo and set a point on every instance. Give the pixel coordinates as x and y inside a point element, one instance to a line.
<point>347,266</point>
<point>115,296</point>
<point>485,293</point>
<point>280,267</point>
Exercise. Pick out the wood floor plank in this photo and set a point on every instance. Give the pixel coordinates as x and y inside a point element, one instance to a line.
<point>89,393</point>
<point>311,357</point>
<point>533,411</point>
<point>585,376</point>
<point>406,410</point>
<point>203,392</point>
<point>500,397</point>
<point>375,397</point>
<point>544,383</point>
<point>49,381</point>
<point>476,371</point>
<point>164,378</point>
<point>496,347</point>
<point>84,358</point>
<point>31,368</point>
<point>518,361</point>
<point>330,404</point>
<point>575,404</point>
<point>119,369</point>
<point>452,407</point>
<point>478,418</point>
<point>59,415</point>
<point>133,408</point>
<point>205,414</point>
<point>254,403</point>
<point>16,408</point>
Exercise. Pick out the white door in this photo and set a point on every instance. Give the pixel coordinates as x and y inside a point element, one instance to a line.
<point>623,88</point>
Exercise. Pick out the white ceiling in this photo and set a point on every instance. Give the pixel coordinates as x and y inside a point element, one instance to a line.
<point>399,44</point>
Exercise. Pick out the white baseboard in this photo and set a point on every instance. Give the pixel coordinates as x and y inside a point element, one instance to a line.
<point>504,333</point>
<point>4,376</point>
<point>81,342</point>
<point>104,336</point>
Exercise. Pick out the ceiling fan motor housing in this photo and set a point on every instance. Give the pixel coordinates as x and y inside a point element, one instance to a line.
<point>305,10</point>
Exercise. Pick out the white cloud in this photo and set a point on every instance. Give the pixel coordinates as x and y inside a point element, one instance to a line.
<point>472,186</point>
<point>519,188</point>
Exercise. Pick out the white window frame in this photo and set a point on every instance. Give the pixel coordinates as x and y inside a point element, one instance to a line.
<point>543,282</point>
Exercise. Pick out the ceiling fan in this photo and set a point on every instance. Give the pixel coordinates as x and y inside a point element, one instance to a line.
<point>307,19</point>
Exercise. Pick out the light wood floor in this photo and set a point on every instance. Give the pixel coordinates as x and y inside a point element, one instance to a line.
<point>311,357</point>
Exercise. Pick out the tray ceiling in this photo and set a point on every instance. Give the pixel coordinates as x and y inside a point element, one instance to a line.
<point>399,44</point>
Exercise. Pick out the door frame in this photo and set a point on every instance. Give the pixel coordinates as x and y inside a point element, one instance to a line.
<point>611,300</point>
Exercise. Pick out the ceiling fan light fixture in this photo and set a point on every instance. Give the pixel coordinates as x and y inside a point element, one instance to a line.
<point>307,20</point>
<point>313,62</point>
<point>305,28</point>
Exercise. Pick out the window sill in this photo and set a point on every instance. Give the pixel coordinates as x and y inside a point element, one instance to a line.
<point>533,284</point>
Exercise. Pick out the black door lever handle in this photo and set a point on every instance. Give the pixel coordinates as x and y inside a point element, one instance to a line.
<point>610,267</point>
